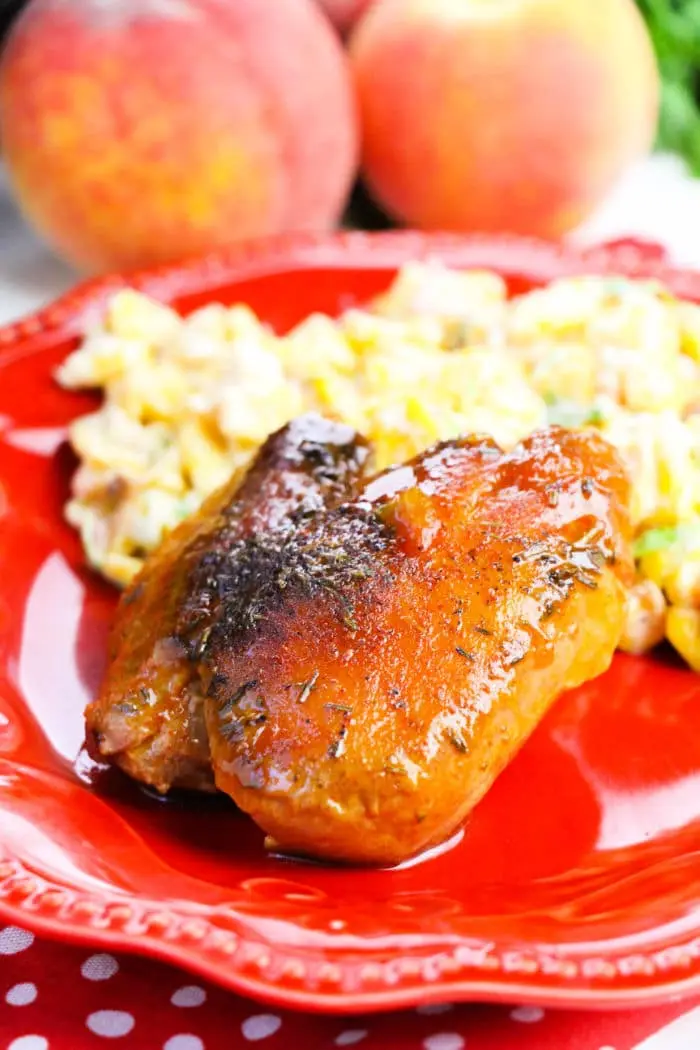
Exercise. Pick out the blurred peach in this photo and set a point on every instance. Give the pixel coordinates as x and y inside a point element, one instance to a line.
<point>139,131</point>
<point>502,114</point>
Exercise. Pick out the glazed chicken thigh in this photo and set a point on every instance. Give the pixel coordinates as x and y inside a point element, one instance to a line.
<point>367,681</point>
<point>148,716</point>
<point>368,656</point>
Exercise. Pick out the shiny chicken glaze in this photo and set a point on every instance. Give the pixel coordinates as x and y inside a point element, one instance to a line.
<point>368,681</point>
<point>370,668</point>
<point>148,716</point>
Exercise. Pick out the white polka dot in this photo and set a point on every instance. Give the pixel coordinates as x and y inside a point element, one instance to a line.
<point>527,1014</point>
<point>444,1041</point>
<point>184,1042</point>
<point>260,1026</point>
<point>188,995</point>
<point>99,967</point>
<point>29,1042</point>
<point>21,994</point>
<point>607,1048</point>
<point>13,940</point>
<point>434,1009</point>
<point>352,1036</point>
<point>112,1024</point>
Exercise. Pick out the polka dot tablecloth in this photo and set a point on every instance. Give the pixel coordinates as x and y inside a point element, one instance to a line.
<point>55,997</point>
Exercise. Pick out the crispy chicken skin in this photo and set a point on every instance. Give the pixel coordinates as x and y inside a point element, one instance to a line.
<point>148,715</point>
<point>369,675</point>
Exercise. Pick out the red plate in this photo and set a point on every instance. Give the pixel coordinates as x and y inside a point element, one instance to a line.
<point>576,880</point>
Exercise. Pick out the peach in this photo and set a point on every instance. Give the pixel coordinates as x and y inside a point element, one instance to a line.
<point>140,131</point>
<point>344,13</point>
<point>501,114</point>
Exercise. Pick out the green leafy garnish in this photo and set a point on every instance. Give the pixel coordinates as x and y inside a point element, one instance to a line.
<point>686,536</point>
<point>674,26</point>
<point>562,412</point>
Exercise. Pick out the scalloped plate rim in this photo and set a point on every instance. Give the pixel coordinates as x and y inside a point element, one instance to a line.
<point>459,990</point>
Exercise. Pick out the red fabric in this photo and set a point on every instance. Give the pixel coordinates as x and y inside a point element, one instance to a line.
<point>137,995</point>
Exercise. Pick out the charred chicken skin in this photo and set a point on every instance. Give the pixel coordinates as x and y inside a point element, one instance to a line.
<point>369,669</point>
<point>367,681</point>
<point>149,715</point>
